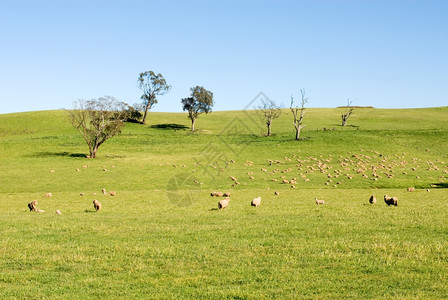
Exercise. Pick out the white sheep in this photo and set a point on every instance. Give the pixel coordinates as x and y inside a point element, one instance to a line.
<point>223,203</point>
<point>322,202</point>
<point>372,199</point>
<point>256,202</point>
<point>390,200</point>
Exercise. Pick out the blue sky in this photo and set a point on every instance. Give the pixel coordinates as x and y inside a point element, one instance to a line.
<point>388,54</point>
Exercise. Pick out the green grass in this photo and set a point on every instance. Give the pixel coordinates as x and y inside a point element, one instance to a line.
<point>151,242</point>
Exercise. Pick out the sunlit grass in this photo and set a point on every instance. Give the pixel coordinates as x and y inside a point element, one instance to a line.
<point>144,245</point>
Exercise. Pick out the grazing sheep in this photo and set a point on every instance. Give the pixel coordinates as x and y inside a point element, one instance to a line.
<point>216,194</point>
<point>58,212</point>
<point>411,189</point>
<point>32,205</point>
<point>390,200</point>
<point>48,195</point>
<point>223,203</point>
<point>51,171</point>
<point>276,193</point>
<point>427,190</point>
<point>372,199</point>
<point>113,193</point>
<point>81,194</point>
<point>285,181</point>
<point>96,205</point>
<point>226,194</point>
<point>322,202</point>
<point>256,202</point>
<point>103,191</point>
<point>233,178</point>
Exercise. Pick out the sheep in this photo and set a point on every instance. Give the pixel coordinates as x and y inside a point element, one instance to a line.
<point>103,191</point>
<point>390,200</point>
<point>256,202</point>
<point>81,194</point>
<point>276,193</point>
<point>285,181</point>
<point>226,194</point>
<point>233,178</point>
<point>223,203</point>
<point>216,194</point>
<point>411,189</point>
<point>32,205</point>
<point>58,212</point>
<point>372,199</point>
<point>113,193</point>
<point>96,205</point>
<point>48,195</point>
<point>319,201</point>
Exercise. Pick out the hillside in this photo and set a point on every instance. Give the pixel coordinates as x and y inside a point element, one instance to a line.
<point>161,236</point>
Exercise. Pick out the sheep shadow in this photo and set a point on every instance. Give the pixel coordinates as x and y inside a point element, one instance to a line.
<point>90,211</point>
<point>213,209</point>
<point>169,126</point>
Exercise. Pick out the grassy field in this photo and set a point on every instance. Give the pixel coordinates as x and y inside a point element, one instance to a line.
<point>162,236</point>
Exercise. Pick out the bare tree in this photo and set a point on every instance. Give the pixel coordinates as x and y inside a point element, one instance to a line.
<point>200,101</point>
<point>349,110</point>
<point>151,85</point>
<point>298,119</point>
<point>98,120</point>
<point>269,111</point>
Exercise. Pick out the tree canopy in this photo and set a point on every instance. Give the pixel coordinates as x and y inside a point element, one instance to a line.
<point>200,101</point>
<point>151,85</point>
<point>98,120</point>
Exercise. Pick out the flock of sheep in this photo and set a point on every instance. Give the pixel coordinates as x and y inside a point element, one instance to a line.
<point>96,204</point>
<point>256,202</point>
<point>367,165</point>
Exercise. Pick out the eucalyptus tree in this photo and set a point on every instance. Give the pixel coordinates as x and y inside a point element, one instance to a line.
<point>152,85</point>
<point>200,101</point>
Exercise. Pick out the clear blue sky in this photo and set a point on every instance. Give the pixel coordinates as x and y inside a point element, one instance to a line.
<point>388,54</point>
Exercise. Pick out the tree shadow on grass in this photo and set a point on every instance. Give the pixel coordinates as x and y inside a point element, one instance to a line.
<point>56,154</point>
<point>169,126</point>
<point>440,185</point>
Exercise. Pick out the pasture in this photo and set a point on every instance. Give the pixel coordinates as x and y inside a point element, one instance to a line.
<point>162,237</point>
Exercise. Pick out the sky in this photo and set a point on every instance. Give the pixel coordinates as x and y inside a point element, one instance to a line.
<point>381,53</point>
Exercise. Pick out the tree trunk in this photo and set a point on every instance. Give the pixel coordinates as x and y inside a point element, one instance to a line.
<point>144,116</point>
<point>93,152</point>
<point>297,133</point>
<point>269,129</point>
<point>343,120</point>
<point>193,121</point>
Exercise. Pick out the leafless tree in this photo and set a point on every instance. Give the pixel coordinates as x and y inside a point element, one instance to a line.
<point>269,111</point>
<point>98,120</point>
<point>298,119</point>
<point>349,110</point>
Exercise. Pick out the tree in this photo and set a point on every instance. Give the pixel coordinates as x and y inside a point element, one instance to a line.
<point>152,85</point>
<point>298,120</point>
<point>269,111</point>
<point>200,101</point>
<point>98,120</point>
<point>349,110</point>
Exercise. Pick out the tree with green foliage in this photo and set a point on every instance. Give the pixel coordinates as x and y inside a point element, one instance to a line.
<point>200,101</point>
<point>269,111</point>
<point>298,119</point>
<point>98,120</point>
<point>152,85</point>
